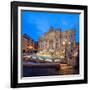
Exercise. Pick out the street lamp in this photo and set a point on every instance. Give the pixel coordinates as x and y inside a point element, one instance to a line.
<point>64,43</point>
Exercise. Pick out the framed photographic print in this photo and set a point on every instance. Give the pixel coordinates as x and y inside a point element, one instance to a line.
<point>48,44</point>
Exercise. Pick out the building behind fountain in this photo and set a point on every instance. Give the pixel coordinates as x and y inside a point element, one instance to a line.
<point>61,43</point>
<point>57,40</point>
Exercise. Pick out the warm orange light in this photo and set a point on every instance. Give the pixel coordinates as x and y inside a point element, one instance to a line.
<point>30,47</point>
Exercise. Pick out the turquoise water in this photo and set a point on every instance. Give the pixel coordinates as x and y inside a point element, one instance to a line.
<point>45,57</point>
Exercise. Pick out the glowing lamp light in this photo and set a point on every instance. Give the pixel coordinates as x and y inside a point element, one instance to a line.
<point>69,43</point>
<point>30,47</point>
<point>63,43</point>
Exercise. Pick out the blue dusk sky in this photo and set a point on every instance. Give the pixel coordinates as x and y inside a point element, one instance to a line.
<point>35,24</point>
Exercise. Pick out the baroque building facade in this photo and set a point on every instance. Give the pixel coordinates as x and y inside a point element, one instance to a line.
<point>58,41</point>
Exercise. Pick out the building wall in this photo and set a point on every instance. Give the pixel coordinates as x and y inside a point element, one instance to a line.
<point>28,44</point>
<point>57,40</point>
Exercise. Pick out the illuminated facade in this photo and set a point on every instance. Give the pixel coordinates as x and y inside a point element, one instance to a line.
<point>28,44</point>
<point>57,40</point>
